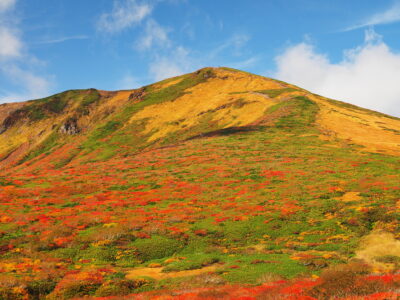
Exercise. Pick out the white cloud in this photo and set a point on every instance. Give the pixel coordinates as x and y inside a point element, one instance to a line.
<point>32,86</point>
<point>172,65</point>
<point>367,76</point>
<point>6,5</point>
<point>17,66</point>
<point>124,14</point>
<point>154,35</point>
<point>388,16</point>
<point>10,43</point>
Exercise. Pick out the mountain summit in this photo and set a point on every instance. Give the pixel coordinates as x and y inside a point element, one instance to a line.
<point>215,184</point>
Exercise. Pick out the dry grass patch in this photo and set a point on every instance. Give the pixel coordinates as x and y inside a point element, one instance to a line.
<point>376,245</point>
<point>157,273</point>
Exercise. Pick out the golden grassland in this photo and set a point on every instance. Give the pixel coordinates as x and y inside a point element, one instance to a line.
<point>218,95</point>
<point>377,133</point>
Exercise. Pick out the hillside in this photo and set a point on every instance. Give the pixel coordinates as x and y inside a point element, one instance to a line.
<point>218,183</point>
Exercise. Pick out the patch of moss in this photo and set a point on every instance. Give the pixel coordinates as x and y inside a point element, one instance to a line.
<point>156,247</point>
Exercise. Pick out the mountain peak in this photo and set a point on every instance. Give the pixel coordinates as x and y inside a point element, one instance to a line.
<point>180,108</point>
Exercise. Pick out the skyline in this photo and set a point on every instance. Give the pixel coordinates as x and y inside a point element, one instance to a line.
<point>346,51</point>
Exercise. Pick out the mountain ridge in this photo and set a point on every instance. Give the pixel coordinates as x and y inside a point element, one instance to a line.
<point>233,98</point>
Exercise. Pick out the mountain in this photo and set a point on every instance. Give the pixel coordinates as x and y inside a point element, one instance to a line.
<point>217,183</point>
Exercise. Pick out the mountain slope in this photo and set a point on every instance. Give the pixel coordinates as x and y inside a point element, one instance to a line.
<point>220,171</point>
<point>170,111</point>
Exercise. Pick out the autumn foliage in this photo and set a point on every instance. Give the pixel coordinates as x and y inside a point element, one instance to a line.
<point>221,206</point>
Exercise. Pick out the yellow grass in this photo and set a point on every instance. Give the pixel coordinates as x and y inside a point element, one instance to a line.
<point>378,244</point>
<point>375,133</point>
<point>26,136</point>
<point>162,85</point>
<point>187,110</point>
<point>350,196</point>
<point>156,273</point>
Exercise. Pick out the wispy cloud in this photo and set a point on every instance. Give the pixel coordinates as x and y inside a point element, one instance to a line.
<point>33,85</point>
<point>154,35</point>
<point>124,14</point>
<point>176,63</point>
<point>6,5</point>
<point>63,39</point>
<point>127,82</point>
<point>235,43</point>
<point>245,63</point>
<point>388,16</point>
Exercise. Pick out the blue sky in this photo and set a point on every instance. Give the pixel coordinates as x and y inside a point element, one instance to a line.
<point>348,50</point>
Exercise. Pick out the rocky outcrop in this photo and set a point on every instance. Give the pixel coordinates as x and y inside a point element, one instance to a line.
<point>137,94</point>
<point>70,127</point>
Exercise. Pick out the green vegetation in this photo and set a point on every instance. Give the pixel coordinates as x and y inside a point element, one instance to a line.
<point>156,247</point>
<point>88,99</point>
<point>43,108</point>
<point>49,143</point>
<point>276,92</point>
<point>153,95</point>
<point>268,201</point>
<point>192,262</point>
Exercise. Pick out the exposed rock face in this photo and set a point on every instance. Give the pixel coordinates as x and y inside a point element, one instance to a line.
<point>70,127</point>
<point>208,74</point>
<point>137,94</point>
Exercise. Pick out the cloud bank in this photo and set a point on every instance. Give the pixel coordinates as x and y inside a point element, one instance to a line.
<point>367,76</point>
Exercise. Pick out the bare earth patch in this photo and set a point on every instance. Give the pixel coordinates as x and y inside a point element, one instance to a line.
<point>156,273</point>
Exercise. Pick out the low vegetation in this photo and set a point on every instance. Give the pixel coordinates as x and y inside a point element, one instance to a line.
<point>266,210</point>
